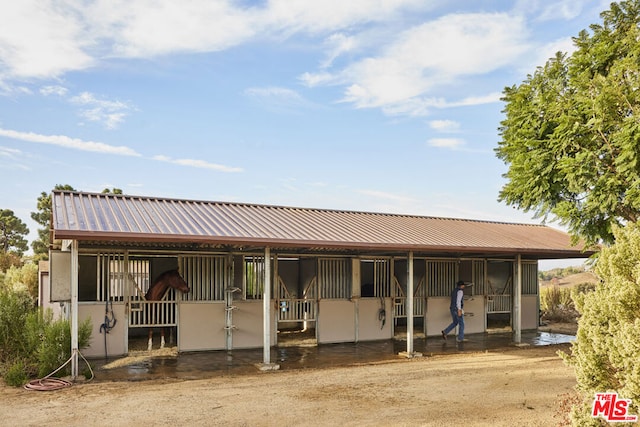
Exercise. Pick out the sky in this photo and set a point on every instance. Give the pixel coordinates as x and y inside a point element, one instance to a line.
<point>370,105</point>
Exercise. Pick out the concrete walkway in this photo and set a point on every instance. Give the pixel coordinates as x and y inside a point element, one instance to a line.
<point>167,364</point>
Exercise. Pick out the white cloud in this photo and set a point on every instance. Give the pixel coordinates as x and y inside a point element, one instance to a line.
<point>561,9</point>
<point>289,16</point>
<point>452,143</point>
<point>53,90</point>
<point>476,100</point>
<point>11,158</point>
<point>147,28</point>
<point>444,125</point>
<point>45,39</point>
<point>197,164</point>
<point>544,52</point>
<point>427,57</point>
<point>9,152</point>
<point>41,39</point>
<point>317,79</point>
<point>338,44</point>
<point>278,99</point>
<point>109,113</point>
<point>67,142</point>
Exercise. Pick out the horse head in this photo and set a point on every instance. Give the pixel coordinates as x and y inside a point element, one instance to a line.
<point>176,281</point>
<point>168,279</point>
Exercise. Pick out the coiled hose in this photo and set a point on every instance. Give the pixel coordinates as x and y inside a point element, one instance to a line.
<point>49,384</point>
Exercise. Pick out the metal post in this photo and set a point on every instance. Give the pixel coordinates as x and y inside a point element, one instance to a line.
<point>409,306</point>
<point>410,303</point>
<point>517,301</point>
<point>266,318</point>
<point>74,309</point>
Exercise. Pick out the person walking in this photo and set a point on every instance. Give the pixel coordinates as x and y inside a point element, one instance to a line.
<point>457,312</point>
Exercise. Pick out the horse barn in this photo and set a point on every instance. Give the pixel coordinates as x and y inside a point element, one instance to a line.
<point>257,272</point>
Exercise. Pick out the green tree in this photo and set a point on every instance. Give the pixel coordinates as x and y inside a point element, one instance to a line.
<point>605,352</point>
<point>12,233</point>
<point>571,133</point>
<point>43,217</point>
<point>112,191</point>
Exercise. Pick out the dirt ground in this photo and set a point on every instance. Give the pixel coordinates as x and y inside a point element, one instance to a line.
<point>513,386</point>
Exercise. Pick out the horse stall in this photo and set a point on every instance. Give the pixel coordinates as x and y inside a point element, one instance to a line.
<point>296,300</point>
<point>256,273</point>
<point>224,309</point>
<point>318,300</point>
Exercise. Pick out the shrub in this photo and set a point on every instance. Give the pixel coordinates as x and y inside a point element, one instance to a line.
<point>605,352</point>
<point>23,278</point>
<point>31,341</point>
<point>16,374</point>
<point>14,309</point>
<point>55,347</point>
<point>556,304</point>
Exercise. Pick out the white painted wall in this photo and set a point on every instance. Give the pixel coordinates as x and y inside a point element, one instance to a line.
<point>336,321</point>
<point>530,312</point>
<point>369,326</point>
<point>201,326</point>
<point>116,336</point>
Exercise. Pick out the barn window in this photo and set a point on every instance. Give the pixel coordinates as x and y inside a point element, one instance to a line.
<point>478,277</point>
<point>205,275</point>
<point>254,277</point>
<point>334,278</point>
<point>103,277</point>
<point>441,277</point>
<point>530,278</point>
<point>375,278</point>
<point>139,273</point>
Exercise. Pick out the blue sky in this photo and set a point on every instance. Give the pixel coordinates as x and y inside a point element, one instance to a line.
<point>372,105</point>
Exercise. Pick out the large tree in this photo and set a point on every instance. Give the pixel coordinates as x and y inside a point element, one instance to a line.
<point>43,216</point>
<point>571,136</point>
<point>13,233</point>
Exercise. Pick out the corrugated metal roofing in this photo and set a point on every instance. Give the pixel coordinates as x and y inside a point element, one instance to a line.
<point>109,217</point>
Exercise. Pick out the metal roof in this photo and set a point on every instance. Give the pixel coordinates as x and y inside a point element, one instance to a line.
<point>110,217</point>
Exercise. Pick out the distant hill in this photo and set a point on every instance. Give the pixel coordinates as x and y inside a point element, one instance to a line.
<point>570,280</point>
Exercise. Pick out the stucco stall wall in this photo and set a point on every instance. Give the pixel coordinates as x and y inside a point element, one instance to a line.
<point>530,312</point>
<point>116,336</point>
<point>438,316</point>
<point>474,318</point>
<point>248,322</point>
<point>370,326</point>
<point>201,326</point>
<point>336,321</point>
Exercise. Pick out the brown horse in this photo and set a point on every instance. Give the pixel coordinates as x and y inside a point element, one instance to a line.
<point>157,291</point>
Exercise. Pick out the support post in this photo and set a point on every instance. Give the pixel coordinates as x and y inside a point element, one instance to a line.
<point>517,302</point>
<point>266,318</point>
<point>74,309</point>
<point>409,306</point>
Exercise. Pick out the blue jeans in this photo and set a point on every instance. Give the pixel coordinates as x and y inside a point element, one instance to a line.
<point>456,321</point>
